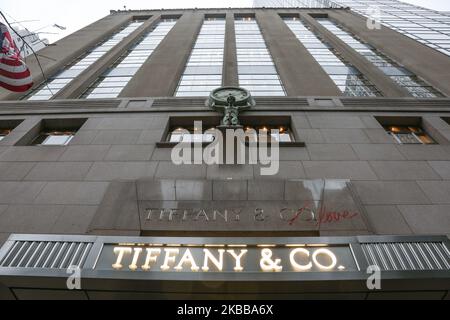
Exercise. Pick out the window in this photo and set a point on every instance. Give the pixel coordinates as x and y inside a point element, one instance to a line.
<point>265,133</point>
<point>4,133</point>
<point>189,135</point>
<point>191,129</point>
<point>409,135</point>
<point>347,78</point>
<point>7,126</point>
<point>54,138</point>
<point>52,132</point>
<point>256,69</point>
<point>281,134</point>
<point>114,80</point>
<point>423,25</point>
<point>48,89</point>
<point>203,72</point>
<point>272,133</point>
<point>403,77</point>
<point>407,130</point>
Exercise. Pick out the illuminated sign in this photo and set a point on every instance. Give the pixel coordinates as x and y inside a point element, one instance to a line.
<point>239,266</point>
<point>227,258</point>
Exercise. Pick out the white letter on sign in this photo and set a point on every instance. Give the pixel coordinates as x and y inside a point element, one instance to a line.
<point>152,255</point>
<point>327,253</point>
<point>137,252</point>
<point>269,265</point>
<point>187,258</point>
<point>120,252</point>
<point>210,257</point>
<point>238,258</point>
<point>171,254</point>
<point>295,265</point>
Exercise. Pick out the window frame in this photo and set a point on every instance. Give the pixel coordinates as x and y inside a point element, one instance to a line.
<point>247,121</point>
<point>413,125</point>
<point>47,136</point>
<point>42,131</point>
<point>413,133</point>
<point>4,133</point>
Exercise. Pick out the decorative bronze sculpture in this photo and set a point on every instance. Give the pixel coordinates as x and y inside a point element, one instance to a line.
<point>231,101</point>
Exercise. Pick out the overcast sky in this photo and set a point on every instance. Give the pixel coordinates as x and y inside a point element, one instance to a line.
<point>76,14</point>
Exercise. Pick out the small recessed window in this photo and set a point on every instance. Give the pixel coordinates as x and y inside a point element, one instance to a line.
<point>409,135</point>
<point>189,135</point>
<point>7,126</point>
<point>52,132</point>
<point>54,138</point>
<point>265,133</point>
<point>4,133</point>
<point>265,128</point>
<point>272,133</point>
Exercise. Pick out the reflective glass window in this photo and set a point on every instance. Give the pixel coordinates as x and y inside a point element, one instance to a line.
<point>347,78</point>
<point>203,72</point>
<point>48,89</point>
<point>114,80</point>
<point>403,77</point>
<point>256,69</point>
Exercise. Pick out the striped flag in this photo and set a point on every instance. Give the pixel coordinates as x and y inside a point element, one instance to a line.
<point>14,73</point>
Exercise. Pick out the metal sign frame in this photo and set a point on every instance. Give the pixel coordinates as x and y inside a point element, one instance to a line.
<point>351,281</point>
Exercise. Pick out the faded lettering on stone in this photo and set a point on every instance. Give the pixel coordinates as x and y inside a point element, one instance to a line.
<point>289,215</point>
<point>205,215</point>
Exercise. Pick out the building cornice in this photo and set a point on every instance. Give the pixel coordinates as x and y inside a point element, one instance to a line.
<point>250,9</point>
<point>268,104</point>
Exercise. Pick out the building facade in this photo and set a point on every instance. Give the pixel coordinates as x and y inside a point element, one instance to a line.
<point>87,176</point>
<point>430,27</point>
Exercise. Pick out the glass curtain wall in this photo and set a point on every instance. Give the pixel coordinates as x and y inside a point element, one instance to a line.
<point>114,80</point>
<point>347,78</point>
<point>403,77</point>
<point>256,68</point>
<point>204,68</point>
<point>430,27</point>
<point>47,90</point>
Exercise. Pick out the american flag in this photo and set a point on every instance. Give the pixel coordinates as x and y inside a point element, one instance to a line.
<point>14,73</point>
